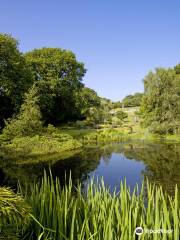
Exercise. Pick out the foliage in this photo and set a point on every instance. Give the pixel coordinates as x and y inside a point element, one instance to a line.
<point>28,121</point>
<point>57,75</point>
<point>85,99</point>
<point>121,115</point>
<point>132,100</point>
<point>15,77</point>
<point>27,147</point>
<point>95,116</point>
<point>70,213</point>
<point>106,135</point>
<point>117,104</point>
<point>14,212</point>
<point>161,102</point>
<point>177,69</point>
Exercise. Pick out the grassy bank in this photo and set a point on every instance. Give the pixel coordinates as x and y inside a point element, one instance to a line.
<point>109,134</point>
<point>38,146</point>
<point>70,213</point>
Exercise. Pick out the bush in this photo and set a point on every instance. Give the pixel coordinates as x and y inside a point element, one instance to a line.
<point>161,128</point>
<point>14,214</point>
<point>28,122</point>
<point>40,145</point>
<point>121,115</point>
<point>80,124</point>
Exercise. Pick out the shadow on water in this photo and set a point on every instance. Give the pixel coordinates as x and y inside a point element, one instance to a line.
<point>160,162</point>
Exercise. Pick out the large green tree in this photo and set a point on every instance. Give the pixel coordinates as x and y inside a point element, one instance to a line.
<point>58,76</point>
<point>161,102</point>
<point>85,99</point>
<point>15,77</point>
<point>132,100</point>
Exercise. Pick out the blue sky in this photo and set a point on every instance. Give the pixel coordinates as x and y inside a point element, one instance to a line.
<point>119,41</point>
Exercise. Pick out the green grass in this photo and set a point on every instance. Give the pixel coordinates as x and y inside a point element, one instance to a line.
<point>77,132</point>
<point>71,213</point>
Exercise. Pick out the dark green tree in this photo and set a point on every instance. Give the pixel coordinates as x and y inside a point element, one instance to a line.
<point>132,100</point>
<point>15,77</point>
<point>85,99</point>
<point>58,76</point>
<point>29,120</point>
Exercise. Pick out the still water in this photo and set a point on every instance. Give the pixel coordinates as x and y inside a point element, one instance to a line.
<point>133,161</point>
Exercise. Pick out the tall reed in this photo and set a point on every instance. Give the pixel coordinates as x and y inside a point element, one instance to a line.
<point>70,213</point>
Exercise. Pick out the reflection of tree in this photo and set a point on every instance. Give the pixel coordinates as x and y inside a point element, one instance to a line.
<point>80,165</point>
<point>162,163</point>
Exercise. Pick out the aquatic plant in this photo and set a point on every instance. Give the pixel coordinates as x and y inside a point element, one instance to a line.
<point>95,213</point>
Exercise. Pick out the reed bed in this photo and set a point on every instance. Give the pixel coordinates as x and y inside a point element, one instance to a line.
<point>71,213</point>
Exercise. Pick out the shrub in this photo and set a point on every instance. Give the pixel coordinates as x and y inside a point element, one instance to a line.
<point>162,128</point>
<point>14,214</point>
<point>28,122</point>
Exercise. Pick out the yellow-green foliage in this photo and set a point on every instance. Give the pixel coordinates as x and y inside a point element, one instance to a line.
<point>106,135</point>
<point>14,214</point>
<point>68,213</point>
<point>37,145</point>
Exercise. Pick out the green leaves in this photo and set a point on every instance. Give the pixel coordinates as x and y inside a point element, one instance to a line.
<point>14,214</point>
<point>74,214</point>
<point>28,122</point>
<point>160,106</point>
<point>15,77</point>
<point>57,76</point>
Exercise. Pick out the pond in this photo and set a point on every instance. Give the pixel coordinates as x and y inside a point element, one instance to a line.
<point>133,161</point>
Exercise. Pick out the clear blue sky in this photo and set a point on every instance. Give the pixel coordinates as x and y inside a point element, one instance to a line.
<point>118,40</point>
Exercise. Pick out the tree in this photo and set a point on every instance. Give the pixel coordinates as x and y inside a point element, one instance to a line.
<point>132,100</point>
<point>57,75</point>
<point>117,104</point>
<point>95,115</point>
<point>28,121</point>
<point>177,69</point>
<point>86,98</point>
<point>160,106</point>
<point>121,115</point>
<point>15,77</point>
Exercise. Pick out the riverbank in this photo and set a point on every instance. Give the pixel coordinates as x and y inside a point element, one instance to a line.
<point>63,141</point>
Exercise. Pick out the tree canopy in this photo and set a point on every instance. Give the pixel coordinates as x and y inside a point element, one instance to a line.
<point>57,75</point>
<point>15,77</point>
<point>132,100</point>
<point>161,102</point>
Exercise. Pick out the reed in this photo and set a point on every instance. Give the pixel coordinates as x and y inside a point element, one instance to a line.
<point>71,213</point>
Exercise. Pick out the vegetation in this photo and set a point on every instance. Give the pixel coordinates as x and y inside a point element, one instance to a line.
<point>45,110</point>
<point>15,77</point>
<point>28,121</point>
<point>70,213</point>
<point>106,135</point>
<point>132,100</point>
<point>14,212</point>
<point>161,102</point>
<point>57,75</point>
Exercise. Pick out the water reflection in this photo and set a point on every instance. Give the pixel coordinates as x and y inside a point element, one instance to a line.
<point>160,162</point>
